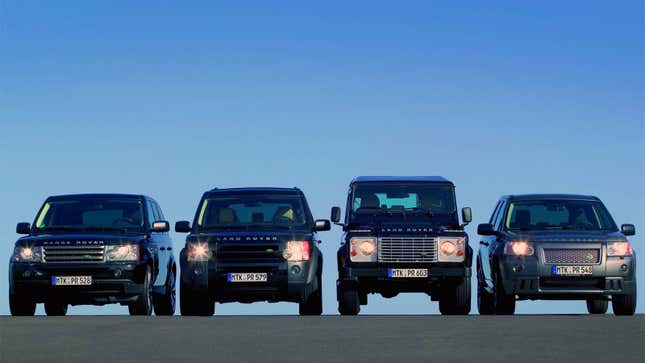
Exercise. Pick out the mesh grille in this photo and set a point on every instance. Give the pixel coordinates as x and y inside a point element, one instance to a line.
<point>407,249</point>
<point>578,256</point>
<point>76,254</point>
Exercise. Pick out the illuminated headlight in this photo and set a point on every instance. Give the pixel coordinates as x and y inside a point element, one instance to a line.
<point>122,253</point>
<point>363,249</point>
<point>27,254</point>
<point>619,249</point>
<point>198,252</point>
<point>519,248</point>
<point>452,249</point>
<point>297,251</point>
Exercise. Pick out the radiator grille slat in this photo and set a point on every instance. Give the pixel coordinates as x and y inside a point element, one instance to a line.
<point>585,256</point>
<point>407,249</point>
<point>74,254</point>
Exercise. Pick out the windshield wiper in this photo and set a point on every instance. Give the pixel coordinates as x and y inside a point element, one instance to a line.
<point>422,211</point>
<point>58,228</point>
<point>104,229</point>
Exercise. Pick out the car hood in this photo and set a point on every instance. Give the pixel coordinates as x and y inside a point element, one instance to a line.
<point>567,236</point>
<point>250,236</point>
<point>79,239</point>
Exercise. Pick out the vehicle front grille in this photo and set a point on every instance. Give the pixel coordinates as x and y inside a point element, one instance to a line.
<point>407,249</point>
<point>74,254</point>
<point>248,251</point>
<point>587,256</point>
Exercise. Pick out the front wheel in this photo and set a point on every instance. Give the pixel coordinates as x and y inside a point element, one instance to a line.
<point>624,304</point>
<point>143,304</point>
<point>20,306</point>
<point>55,308</point>
<point>165,304</point>
<point>456,298</point>
<point>597,306</point>
<point>313,304</point>
<point>348,301</point>
<point>504,303</point>
<point>193,303</point>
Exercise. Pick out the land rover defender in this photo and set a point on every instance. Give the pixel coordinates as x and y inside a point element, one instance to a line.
<point>402,234</point>
<point>251,244</point>
<point>94,249</point>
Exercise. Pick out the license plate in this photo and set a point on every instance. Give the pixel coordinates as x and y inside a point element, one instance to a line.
<point>407,273</point>
<point>71,280</point>
<point>247,277</point>
<point>571,270</point>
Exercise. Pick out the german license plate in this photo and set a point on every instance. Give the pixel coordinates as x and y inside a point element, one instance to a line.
<point>247,277</point>
<point>571,270</point>
<point>71,280</point>
<point>407,273</point>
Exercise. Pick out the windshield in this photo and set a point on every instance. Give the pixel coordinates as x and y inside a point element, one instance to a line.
<point>558,214</point>
<point>412,201</point>
<point>91,214</point>
<point>252,211</point>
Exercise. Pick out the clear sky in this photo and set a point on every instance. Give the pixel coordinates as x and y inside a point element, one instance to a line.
<point>172,98</point>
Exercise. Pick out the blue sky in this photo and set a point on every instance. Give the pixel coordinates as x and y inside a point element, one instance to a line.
<point>172,98</point>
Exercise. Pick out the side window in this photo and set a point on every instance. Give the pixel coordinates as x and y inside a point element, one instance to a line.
<point>151,213</point>
<point>494,215</point>
<point>160,216</point>
<point>500,216</point>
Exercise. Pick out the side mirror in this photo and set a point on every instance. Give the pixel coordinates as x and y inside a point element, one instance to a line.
<point>182,227</point>
<point>160,226</point>
<point>628,229</point>
<point>23,228</point>
<point>322,225</point>
<point>335,214</point>
<point>486,229</point>
<point>466,215</point>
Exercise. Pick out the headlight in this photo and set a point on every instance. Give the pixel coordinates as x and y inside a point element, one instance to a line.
<point>198,252</point>
<point>363,249</point>
<point>122,253</point>
<point>27,254</point>
<point>297,251</point>
<point>452,249</point>
<point>619,249</point>
<point>519,248</point>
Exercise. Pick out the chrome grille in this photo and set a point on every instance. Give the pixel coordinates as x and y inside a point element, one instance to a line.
<point>587,256</point>
<point>76,254</point>
<point>407,249</point>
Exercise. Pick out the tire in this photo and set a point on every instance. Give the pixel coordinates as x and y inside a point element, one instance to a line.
<point>55,308</point>
<point>143,304</point>
<point>503,303</point>
<point>456,299</point>
<point>194,304</point>
<point>164,305</point>
<point>313,304</point>
<point>624,304</point>
<point>485,302</point>
<point>20,306</point>
<point>597,306</point>
<point>348,301</point>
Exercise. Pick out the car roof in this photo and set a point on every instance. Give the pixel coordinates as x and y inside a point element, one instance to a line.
<point>551,196</point>
<point>99,195</point>
<point>426,179</point>
<point>255,190</point>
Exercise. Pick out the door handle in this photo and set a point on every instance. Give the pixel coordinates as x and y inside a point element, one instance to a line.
<point>484,243</point>
<point>169,248</point>
<point>163,248</point>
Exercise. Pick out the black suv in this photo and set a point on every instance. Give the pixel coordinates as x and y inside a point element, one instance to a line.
<point>402,234</point>
<point>555,247</point>
<point>94,249</point>
<point>251,244</point>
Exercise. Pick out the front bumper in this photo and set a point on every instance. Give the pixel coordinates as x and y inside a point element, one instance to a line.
<point>111,282</point>
<point>286,281</point>
<point>531,278</point>
<point>374,277</point>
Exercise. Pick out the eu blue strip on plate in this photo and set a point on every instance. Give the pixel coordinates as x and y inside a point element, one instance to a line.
<point>554,270</point>
<point>228,277</point>
<point>53,280</point>
<point>389,272</point>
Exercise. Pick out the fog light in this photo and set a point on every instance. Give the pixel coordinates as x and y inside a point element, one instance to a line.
<point>26,274</point>
<point>197,271</point>
<point>624,268</point>
<point>118,273</point>
<point>295,270</point>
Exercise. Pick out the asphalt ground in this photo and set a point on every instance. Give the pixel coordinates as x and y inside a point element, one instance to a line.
<point>528,338</point>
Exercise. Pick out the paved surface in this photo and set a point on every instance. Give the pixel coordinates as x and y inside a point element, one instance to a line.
<point>371,339</point>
